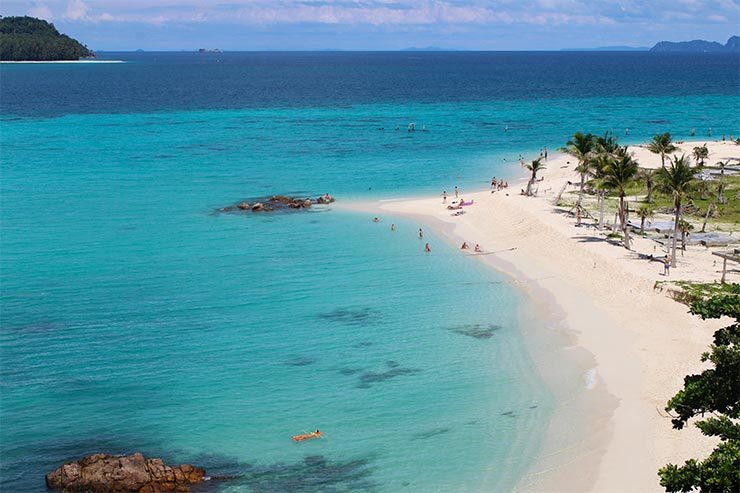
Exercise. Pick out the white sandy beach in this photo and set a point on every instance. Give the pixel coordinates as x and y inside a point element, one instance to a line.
<point>611,434</point>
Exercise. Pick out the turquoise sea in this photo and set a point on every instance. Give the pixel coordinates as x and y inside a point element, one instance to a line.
<point>135,317</point>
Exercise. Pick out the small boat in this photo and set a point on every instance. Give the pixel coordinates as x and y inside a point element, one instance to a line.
<point>307,436</point>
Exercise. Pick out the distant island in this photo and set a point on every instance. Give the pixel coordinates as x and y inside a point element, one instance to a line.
<point>30,39</point>
<point>699,46</point>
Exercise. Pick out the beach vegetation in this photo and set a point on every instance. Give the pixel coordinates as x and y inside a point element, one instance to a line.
<point>619,171</point>
<point>676,180</point>
<point>648,177</point>
<point>701,153</point>
<point>30,39</point>
<point>714,396</point>
<point>534,167</point>
<point>644,212</point>
<point>581,147</point>
<point>662,144</point>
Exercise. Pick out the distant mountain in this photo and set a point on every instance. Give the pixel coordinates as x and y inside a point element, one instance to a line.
<point>699,46</point>
<point>610,48</point>
<point>31,39</point>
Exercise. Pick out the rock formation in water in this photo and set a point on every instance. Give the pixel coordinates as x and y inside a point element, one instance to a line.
<point>277,202</point>
<point>123,474</point>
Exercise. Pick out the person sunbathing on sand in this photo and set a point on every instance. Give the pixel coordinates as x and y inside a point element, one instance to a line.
<point>464,246</point>
<point>477,248</point>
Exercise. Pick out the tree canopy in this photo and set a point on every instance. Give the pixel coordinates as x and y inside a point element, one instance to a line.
<point>31,39</point>
<point>716,392</point>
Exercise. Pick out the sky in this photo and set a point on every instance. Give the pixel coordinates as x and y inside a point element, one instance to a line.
<point>381,24</point>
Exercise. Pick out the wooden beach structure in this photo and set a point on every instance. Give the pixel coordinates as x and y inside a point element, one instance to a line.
<point>732,256</point>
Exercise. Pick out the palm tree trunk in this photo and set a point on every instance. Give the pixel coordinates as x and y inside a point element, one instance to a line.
<point>649,198</point>
<point>623,222</point>
<point>706,217</point>
<point>662,159</point>
<point>580,191</point>
<point>642,225</point>
<point>675,233</point>
<point>601,209</point>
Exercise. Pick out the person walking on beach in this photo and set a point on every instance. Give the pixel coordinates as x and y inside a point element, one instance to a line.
<point>421,234</point>
<point>545,153</point>
<point>457,192</point>
<point>444,197</point>
<point>666,266</point>
<point>427,249</point>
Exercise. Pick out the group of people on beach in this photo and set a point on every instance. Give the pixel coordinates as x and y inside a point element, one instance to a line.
<point>497,185</point>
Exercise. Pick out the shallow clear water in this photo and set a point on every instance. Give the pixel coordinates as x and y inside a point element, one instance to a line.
<point>134,317</point>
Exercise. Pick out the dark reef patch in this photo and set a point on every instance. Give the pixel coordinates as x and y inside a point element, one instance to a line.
<point>301,361</point>
<point>368,379</point>
<point>351,316</point>
<point>476,331</point>
<point>429,434</point>
<point>311,475</point>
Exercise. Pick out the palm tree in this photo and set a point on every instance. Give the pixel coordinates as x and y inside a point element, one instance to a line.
<point>580,147</point>
<point>684,227</point>
<point>700,154</point>
<point>534,167</point>
<point>649,176</point>
<point>644,212</point>
<point>619,172</point>
<point>662,144</point>
<point>721,185</point>
<point>676,180</point>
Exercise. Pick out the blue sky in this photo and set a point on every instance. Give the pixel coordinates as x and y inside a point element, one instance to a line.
<point>381,24</point>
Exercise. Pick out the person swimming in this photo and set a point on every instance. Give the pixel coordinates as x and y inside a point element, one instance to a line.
<point>376,220</point>
<point>393,227</point>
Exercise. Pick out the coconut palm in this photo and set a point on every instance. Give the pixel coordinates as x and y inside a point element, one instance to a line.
<point>721,185</point>
<point>535,166</point>
<point>662,144</point>
<point>700,154</point>
<point>581,147</point>
<point>684,227</point>
<point>644,212</point>
<point>677,180</point>
<point>619,172</point>
<point>648,176</point>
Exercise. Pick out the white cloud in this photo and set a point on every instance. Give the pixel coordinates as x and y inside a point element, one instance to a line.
<point>76,10</point>
<point>42,12</point>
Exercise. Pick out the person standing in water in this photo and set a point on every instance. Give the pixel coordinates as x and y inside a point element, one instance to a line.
<point>421,234</point>
<point>393,227</point>
<point>545,153</point>
<point>426,248</point>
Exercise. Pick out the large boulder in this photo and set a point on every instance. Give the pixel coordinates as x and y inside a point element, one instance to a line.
<point>123,474</point>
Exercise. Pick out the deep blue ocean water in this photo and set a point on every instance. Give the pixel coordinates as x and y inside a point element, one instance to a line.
<point>134,317</point>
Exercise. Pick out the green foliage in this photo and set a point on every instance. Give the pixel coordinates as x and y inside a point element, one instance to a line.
<point>662,144</point>
<point>27,38</point>
<point>714,391</point>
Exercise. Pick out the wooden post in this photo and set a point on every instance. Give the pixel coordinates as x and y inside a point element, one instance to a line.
<point>724,270</point>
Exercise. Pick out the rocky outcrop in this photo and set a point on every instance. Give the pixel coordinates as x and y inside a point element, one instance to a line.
<point>277,202</point>
<point>123,474</point>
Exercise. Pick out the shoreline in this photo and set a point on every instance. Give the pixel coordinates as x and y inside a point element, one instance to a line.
<point>613,350</point>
